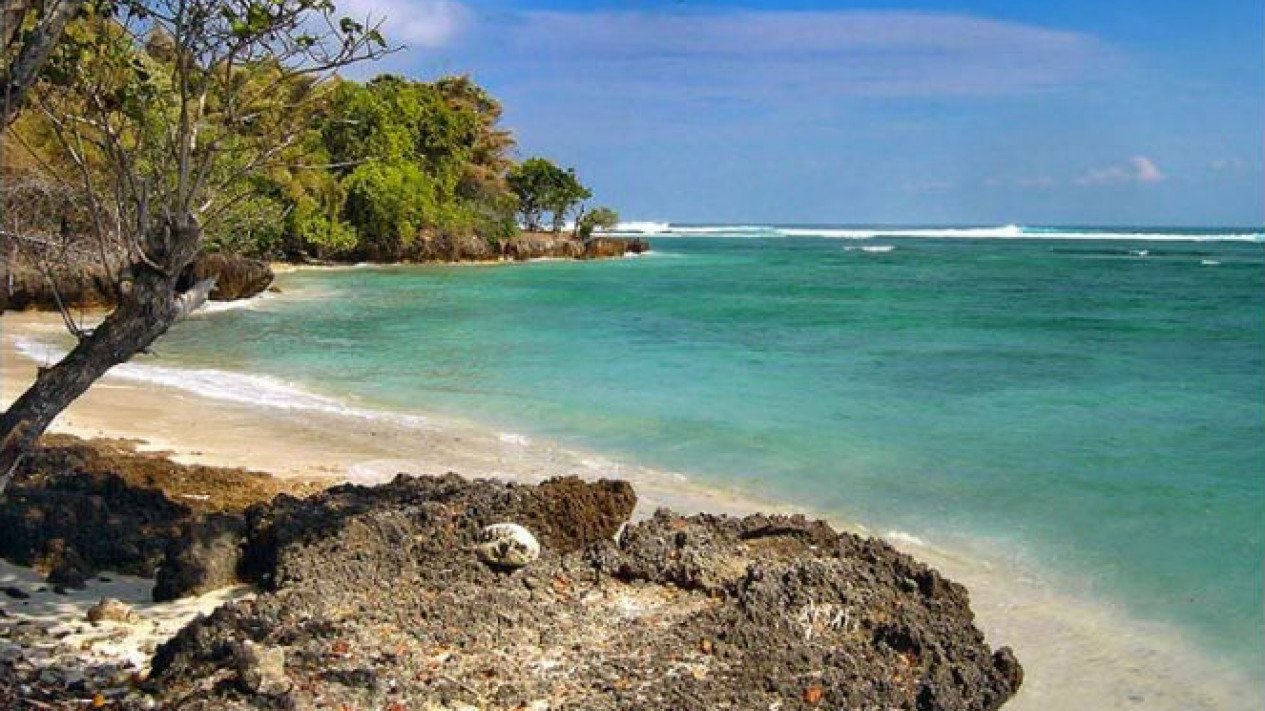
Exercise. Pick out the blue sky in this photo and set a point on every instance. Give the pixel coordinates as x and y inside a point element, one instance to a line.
<point>987,112</point>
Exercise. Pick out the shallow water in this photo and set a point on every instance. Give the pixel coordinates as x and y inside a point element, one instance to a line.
<point>1091,410</point>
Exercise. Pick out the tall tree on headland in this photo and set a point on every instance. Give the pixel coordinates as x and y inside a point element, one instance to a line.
<point>543,187</point>
<point>177,132</point>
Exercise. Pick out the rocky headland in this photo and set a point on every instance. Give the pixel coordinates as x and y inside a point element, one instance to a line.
<point>78,278</point>
<point>387,598</point>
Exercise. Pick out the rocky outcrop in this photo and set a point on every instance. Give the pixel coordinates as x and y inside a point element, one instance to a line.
<point>81,285</point>
<point>379,597</point>
<point>236,277</point>
<point>435,246</point>
<point>431,246</point>
<point>82,282</point>
<point>76,508</point>
<point>606,247</point>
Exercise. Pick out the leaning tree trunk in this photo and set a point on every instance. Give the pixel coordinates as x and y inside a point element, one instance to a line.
<point>145,311</point>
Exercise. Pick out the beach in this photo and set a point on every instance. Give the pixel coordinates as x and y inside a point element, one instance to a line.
<point>1077,653</point>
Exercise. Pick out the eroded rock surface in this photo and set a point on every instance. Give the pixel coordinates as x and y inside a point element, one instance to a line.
<point>375,598</point>
<point>378,597</point>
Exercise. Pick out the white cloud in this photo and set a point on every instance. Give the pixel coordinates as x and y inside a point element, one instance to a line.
<point>1138,169</point>
<point>414,23</point>
<point>750,55</point>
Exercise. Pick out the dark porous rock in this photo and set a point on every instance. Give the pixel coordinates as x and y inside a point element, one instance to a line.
<point>67,574</point>
<point>76,508</point>
<point>61,517</point>
<point>289,539</point>
<point>377,597</point>
<point>236,277</point>
<point>204,556</point>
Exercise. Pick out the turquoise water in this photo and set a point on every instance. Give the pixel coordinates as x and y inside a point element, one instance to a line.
<point>1095,411</point>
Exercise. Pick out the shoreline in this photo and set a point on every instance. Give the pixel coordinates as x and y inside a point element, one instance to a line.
<point>1077,652</point>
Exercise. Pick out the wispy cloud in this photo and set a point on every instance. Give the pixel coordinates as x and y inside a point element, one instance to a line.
<point>750,55</point>
<point>1138,169</point>
<point>422,24</point>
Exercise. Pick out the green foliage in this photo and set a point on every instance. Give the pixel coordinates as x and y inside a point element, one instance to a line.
<point>375,164</point>
<point>542,187</point>
<point>387,204</point>
<point>599,218</point>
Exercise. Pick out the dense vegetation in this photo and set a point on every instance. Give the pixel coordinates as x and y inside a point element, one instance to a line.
<point>376,166</point>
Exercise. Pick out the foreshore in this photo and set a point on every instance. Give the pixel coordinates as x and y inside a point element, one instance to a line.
<point>1078,654</point>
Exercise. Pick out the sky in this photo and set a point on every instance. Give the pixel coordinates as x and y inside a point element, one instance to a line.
<point>1076,112</point>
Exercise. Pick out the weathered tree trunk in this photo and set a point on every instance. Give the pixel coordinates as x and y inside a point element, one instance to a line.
<point>17,77</point>
<point>145,311</point>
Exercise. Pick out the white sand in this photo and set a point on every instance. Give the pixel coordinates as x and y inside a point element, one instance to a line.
<point>104,643</point>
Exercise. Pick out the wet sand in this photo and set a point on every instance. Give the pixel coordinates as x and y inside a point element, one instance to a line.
<point>1078,654</point>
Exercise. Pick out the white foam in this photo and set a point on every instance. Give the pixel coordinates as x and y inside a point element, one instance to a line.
<point>1019,232</point>
<point>513,438</point>
<point>257,390</point>
<point>642,228</point>
<point>873,249</point>
<point>214,307</point>
<point>896,536</point>
<point>1006,231</point>
<point>1010,231</point>
<point>1209,262</point>
<point>667,228</point>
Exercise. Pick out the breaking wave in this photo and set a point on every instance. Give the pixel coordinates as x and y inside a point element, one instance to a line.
<point>241,388</point>
<point>1011,231</point>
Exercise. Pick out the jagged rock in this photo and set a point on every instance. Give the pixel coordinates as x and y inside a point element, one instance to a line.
<point>693,612</point>
<point>507,545</point>
<point>203,557</point>
<point>78,508</point>
<point>370,597</point>
<point>111,610</point>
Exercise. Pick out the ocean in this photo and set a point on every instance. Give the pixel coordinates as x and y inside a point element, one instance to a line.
<point>1085,405</point>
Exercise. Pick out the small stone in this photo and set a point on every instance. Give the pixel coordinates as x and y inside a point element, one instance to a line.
<point>507,545</point>
<point>262,669</point>
<point>112,610</point>
<point>15,593</point>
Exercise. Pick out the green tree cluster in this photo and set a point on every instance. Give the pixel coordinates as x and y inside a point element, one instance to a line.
<point>382,163</point>
<point>543,188</point>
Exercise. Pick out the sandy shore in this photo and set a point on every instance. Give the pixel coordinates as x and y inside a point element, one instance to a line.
<point>1078,654</point>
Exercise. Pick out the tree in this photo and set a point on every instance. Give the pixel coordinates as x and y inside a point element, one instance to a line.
<point>542,187</point>
<point>599,218</point>
<point>29,30</point>
<point>163,147</point>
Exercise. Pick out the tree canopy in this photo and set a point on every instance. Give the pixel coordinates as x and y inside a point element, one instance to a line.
<point>543,188</point>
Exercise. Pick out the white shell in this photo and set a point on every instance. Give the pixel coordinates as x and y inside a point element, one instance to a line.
<point>507,544</point>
